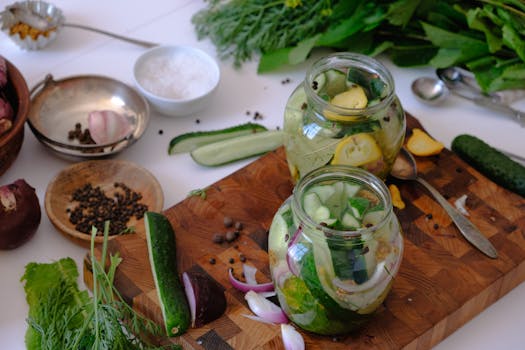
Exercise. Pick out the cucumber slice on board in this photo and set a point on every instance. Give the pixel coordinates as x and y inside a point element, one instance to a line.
<point>189,141</point>
<point>162,255</point>
<point>227,151</point>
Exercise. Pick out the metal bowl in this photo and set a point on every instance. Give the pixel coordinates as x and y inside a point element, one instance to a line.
<point>22,33</point>
<point>58,105</point>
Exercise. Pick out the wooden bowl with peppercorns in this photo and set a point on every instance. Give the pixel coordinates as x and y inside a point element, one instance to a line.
<point>14,107</point>
<point>90,193</point>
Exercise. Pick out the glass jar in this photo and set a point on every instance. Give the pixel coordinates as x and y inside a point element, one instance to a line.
<point>344,112</point>
<point>334,246</point>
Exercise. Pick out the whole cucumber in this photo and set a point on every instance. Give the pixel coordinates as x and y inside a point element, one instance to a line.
<point>491,162</point>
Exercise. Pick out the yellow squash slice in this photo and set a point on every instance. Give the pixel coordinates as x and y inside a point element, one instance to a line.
<point>421,144</point>
<point>357,150</point>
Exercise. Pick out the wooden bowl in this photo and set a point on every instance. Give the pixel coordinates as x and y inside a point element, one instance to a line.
<point>18,95</point>
<point>103,173</point>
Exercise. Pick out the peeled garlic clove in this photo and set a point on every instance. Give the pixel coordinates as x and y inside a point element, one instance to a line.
<point>108,126</point>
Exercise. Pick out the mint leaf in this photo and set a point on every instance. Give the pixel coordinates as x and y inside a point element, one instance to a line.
<point>289,55</point>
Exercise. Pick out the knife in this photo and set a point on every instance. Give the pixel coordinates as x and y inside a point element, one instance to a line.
<point>467,228</point>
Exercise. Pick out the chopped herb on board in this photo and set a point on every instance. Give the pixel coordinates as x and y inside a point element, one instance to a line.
<point>201,192</point>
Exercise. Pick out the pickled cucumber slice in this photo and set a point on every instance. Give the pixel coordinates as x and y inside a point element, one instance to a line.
<point>357,150</point>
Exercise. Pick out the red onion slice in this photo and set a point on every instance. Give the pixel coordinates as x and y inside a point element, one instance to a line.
<point>264,308</point>
<point>108,126</point>
<point>190,296</point>
<point>246,287</point>
<point>292,252</point>
<point>292,339</point>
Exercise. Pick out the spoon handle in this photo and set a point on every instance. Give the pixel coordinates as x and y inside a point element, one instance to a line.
<point>142,43</point>
<point>465,226</point>
<point>499,107</point>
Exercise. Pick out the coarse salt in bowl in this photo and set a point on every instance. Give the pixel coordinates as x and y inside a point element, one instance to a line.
<point>176,80</point>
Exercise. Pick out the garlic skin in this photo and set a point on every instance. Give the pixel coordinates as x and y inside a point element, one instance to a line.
<point>107,126</point>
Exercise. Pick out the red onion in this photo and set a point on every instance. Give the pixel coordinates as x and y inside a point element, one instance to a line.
<point>19,214</point>
<point>245,287</point>
<point>206,298</point>
<point>264,308</point>
<point>291,252</point>
<point>108,126</point>
<point>292,339</point>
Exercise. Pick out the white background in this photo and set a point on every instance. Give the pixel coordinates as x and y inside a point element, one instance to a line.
<point>78,52</point>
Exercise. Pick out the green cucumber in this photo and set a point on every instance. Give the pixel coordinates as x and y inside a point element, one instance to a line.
<point>491,162</point>
<point>163,260</point>
<point>237,148</point>
<point>189,141</point>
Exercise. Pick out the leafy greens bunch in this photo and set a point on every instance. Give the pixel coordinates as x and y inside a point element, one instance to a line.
<point>485,36</point>
<point>63,317</point>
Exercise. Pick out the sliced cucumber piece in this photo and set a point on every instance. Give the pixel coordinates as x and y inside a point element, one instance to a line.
<point>323,191</point>
<point>320,82</point>
<point>335,82</point>
<point>311,202</point>
<point>189,141</point>
<point>321,214</point>
<point>349,221</point>
<point>358,206</point>
<point>230,150</point>
<point>160,239</point>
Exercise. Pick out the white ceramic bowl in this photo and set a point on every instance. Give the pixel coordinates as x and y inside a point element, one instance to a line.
<point>176,80</point>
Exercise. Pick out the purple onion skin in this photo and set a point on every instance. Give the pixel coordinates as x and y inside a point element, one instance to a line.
<point>210,301</point>
<point>20,214</point>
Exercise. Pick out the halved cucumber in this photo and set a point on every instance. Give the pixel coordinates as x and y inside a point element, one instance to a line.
<point>189,141</point>
<point>227,151</point>
<point>162,255</point>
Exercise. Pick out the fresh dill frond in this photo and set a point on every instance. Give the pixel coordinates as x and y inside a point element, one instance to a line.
<point>240,28</point>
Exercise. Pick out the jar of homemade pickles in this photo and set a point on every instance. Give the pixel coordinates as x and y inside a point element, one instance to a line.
<point>335,247</point>
<point>344,112</point>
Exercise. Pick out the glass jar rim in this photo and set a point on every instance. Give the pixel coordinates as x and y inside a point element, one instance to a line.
<point>333,172</point>
<point>343,60</point>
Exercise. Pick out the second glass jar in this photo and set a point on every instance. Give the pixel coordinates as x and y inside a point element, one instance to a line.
<point>345,112</point>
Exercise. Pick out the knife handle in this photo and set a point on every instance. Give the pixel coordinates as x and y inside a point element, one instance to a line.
<point>465,226</point>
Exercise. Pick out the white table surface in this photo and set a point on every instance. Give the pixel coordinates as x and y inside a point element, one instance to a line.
<point>78,52</point>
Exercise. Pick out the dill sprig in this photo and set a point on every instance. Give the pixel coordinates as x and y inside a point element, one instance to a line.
<point>63,317</point>
<point>241,28</point>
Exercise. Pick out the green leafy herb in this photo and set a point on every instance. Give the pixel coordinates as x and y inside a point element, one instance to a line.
<point>201,192</point>
<point>63,317</point>
<point>485,36</point>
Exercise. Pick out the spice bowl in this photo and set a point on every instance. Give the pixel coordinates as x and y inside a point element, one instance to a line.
<point>61,110</point>
<point>17,94</point>
<point>23,34</point>
<point>176,80</point>
<point>107,189</point>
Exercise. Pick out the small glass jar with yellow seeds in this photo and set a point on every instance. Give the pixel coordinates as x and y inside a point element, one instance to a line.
<point>345,112</point>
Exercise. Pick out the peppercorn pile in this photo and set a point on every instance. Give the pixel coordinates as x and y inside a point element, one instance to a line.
<point>94,207</point>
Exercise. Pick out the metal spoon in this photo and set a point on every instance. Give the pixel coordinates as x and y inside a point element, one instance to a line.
<point>433,91</point>
<point>37,17</point>
<point>430,90</point>
<point>405,168</point>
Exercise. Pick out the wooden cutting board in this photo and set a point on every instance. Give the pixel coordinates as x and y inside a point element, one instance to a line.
<point>443,281</point>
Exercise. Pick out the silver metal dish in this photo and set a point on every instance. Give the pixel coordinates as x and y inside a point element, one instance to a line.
<point>58,105</point>
<point>24,13</point>
<point>34,24</point>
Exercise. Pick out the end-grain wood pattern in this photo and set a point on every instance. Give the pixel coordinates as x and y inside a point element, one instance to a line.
<point>443,281</point>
